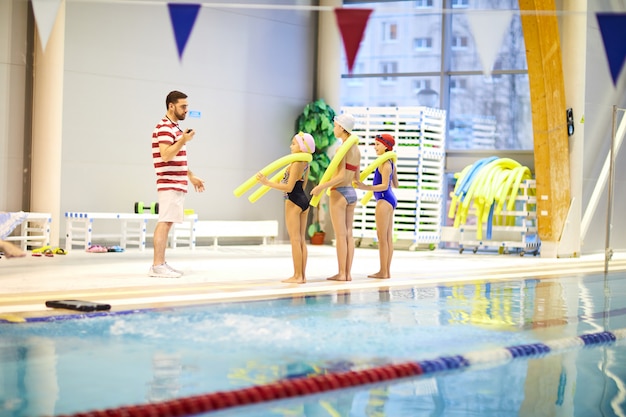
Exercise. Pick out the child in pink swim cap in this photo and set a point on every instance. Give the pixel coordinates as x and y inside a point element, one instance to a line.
<point>296,204</point>
<point>306,142</point>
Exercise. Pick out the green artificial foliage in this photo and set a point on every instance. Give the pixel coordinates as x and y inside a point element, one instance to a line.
<point>317,120</point>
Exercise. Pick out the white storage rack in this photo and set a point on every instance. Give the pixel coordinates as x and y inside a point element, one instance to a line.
<point>522,236</point>
<point>33,232</point>
<point>420,145</point>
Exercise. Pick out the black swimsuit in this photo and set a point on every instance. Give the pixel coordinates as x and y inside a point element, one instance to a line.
<point>297,195</point>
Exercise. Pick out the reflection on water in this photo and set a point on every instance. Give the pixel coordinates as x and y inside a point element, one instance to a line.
<point>28,377</point>
<point>52,368</point>
<point>166,374</point>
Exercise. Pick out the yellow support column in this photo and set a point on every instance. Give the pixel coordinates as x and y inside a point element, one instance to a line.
<point>547,93</point>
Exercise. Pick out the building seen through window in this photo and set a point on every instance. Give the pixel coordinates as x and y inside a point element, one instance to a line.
<point>424,53</point>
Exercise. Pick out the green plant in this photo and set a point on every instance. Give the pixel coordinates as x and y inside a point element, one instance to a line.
<point>317,119</point>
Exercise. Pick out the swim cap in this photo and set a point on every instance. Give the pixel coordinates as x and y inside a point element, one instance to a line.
<point>346,121</point>
<point>306,142</point>
<point>387,140</point>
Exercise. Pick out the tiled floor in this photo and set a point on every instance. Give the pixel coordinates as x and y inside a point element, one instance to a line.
<point>245,272</point>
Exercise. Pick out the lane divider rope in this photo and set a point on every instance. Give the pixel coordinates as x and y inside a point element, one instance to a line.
<point>302,386</point>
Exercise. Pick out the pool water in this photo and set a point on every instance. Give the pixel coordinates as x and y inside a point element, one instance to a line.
<point>65,366</point>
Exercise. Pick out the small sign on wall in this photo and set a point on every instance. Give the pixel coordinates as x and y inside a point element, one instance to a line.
<point>196,114</point>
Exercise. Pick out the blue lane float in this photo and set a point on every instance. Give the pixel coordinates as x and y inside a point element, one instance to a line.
<point>503,355</point>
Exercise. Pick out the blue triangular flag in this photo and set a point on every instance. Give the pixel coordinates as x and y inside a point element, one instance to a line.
<point>613,30</point>
<point>183,18</point>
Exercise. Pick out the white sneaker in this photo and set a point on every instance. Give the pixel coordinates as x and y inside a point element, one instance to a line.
<point>162,271</point>
<point>172,269</point>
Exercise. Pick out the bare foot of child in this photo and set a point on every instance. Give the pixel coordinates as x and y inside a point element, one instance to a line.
<point>379,275</point>
<point>339,277</point>
<point>295,280</point>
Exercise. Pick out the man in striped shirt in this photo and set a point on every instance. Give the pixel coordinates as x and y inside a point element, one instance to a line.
<point>169,154</point>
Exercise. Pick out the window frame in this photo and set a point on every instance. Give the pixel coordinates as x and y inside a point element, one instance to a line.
<point>447,54</point>
<point>389,32</point>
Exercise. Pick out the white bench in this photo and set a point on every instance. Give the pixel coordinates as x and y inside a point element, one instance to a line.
<point>217,229</point>
<point>34,231</point>
<point>79,229</point>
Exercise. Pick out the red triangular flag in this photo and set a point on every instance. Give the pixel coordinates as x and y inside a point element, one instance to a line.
<point>183,17</point>
<point>352,23</point>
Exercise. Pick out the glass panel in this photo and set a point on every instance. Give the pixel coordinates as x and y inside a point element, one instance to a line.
<point>490,112</point>
<point>399,63</point>
<point>464,54</point>
<point>404,91</point>
<point>404,32</point>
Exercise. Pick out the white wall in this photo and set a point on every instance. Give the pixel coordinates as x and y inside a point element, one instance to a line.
<point>13,29</point>
<point>249,72</point>
<point>600,95</point>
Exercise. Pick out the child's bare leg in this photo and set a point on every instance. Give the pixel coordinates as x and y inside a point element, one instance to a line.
<point>390,242</point>
<point>292,220</point>
<point>349,240</point>
<point>338,219</point>
<point>305,252</point>
<point>384,226</point>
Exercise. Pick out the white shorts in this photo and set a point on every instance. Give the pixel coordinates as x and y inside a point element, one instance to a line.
<point>171,206</point>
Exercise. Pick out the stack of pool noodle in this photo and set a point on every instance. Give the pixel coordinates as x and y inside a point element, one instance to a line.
<point>489,185</point>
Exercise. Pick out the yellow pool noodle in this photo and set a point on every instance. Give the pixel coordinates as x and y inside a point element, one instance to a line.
<point>521,173</point>
<point>334,163</point>
<point>456,198</point>
<point>260,192</point>
<point>371,167</point>
<point>268,169</point>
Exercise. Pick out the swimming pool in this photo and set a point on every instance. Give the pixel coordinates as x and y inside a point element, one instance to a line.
<point>63,366</point>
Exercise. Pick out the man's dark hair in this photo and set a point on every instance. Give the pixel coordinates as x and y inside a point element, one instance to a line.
<point>173,98</point>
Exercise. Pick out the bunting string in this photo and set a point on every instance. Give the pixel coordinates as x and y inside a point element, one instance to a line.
<point>298,7</point>
<point>488,25</point>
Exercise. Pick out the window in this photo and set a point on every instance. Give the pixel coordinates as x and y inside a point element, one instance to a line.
<point>421,84</point>
<point>460,4</point>
<point>459,42</point>
<point>437,64</point>
<point>390,32</point>
<point>423,4</point>
<point>458,83</point>
<point>512,53</point>
<point>388,68</point>
<point>505,104</point>
<point>423,44</point>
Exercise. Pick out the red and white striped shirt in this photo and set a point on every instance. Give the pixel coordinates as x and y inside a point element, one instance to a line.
<point>171,175</point>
